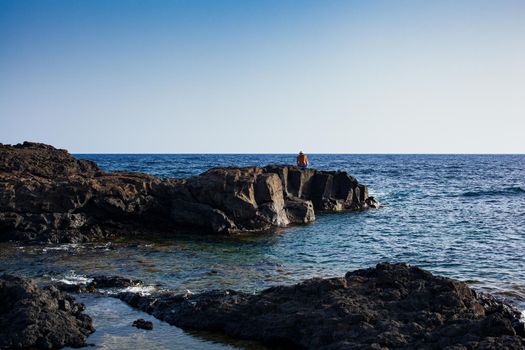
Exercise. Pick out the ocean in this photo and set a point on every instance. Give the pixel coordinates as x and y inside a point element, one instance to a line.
<point>462,216</point>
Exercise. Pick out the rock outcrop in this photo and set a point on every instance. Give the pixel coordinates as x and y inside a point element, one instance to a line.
<point>44,318</point>
<point>391,306</point>
<point>48,195</point>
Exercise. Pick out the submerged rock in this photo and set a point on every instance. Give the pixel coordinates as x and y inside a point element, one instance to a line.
<point>391,306</point>
<point>48,195</point>
<point>93,284</point>
<point>39,317</point>
<point>114,282</point>
<point>143,324</point>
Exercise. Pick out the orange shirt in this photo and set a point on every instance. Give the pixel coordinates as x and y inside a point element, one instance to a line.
<point>302,160</point>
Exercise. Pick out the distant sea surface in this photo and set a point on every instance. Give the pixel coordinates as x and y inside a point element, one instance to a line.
<point>461,216</point>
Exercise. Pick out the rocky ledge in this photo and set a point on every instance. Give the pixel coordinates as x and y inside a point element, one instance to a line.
<point>44,318</point>
<point>391,306</point>
<point>48,195</point>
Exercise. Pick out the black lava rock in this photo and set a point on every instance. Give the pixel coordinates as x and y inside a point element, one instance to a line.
<point>48,195</point>
<point>391,306</point>
<point>39,317</point>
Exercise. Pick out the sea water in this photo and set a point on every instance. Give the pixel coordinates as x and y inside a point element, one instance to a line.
<point>461,216</point>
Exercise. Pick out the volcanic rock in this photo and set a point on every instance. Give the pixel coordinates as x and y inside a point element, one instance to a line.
<point>143,324</point>
<point>48,195</point>
<point>391,306</point>
<point>39,317</point>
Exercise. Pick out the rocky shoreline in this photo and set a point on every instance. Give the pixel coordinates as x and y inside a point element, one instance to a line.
<point>391,306</point>
<point>49,196</point>
<point>43,318</point>
<point>46,195</point>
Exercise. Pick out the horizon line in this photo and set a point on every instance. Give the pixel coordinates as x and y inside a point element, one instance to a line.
<point>277,153</point>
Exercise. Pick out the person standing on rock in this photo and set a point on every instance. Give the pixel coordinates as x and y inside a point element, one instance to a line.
<point>302,160</point>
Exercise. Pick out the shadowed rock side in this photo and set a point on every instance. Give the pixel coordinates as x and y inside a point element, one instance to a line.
<point>47,195</point>
<point>32,317</point>
<point>391,306</point>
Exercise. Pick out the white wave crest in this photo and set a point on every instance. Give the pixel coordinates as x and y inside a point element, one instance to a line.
<point>142,290</point>
<point>67,246</point>
<point>72,278</point>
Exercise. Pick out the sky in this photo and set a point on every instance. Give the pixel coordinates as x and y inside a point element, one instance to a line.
<point>232,76</point>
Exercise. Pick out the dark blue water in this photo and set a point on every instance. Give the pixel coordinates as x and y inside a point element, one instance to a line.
<point>461,216</point>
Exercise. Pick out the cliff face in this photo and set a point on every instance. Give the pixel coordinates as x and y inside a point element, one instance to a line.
<point>48,195</point>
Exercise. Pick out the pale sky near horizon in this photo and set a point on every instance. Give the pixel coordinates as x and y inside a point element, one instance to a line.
<point>126,76</point>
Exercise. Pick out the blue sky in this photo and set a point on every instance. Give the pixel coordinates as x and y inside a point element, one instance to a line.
<point>264,76</point>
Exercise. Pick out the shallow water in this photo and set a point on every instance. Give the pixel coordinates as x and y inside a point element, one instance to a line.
<point>113,320</point>
<point>461,216</point>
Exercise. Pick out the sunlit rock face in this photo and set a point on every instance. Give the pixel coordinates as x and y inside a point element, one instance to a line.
<point>48,195</point>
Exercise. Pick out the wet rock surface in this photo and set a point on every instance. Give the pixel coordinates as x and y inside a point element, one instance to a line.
<point>391,306</point>
<point>33,317</point>
<point>47,195</point>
